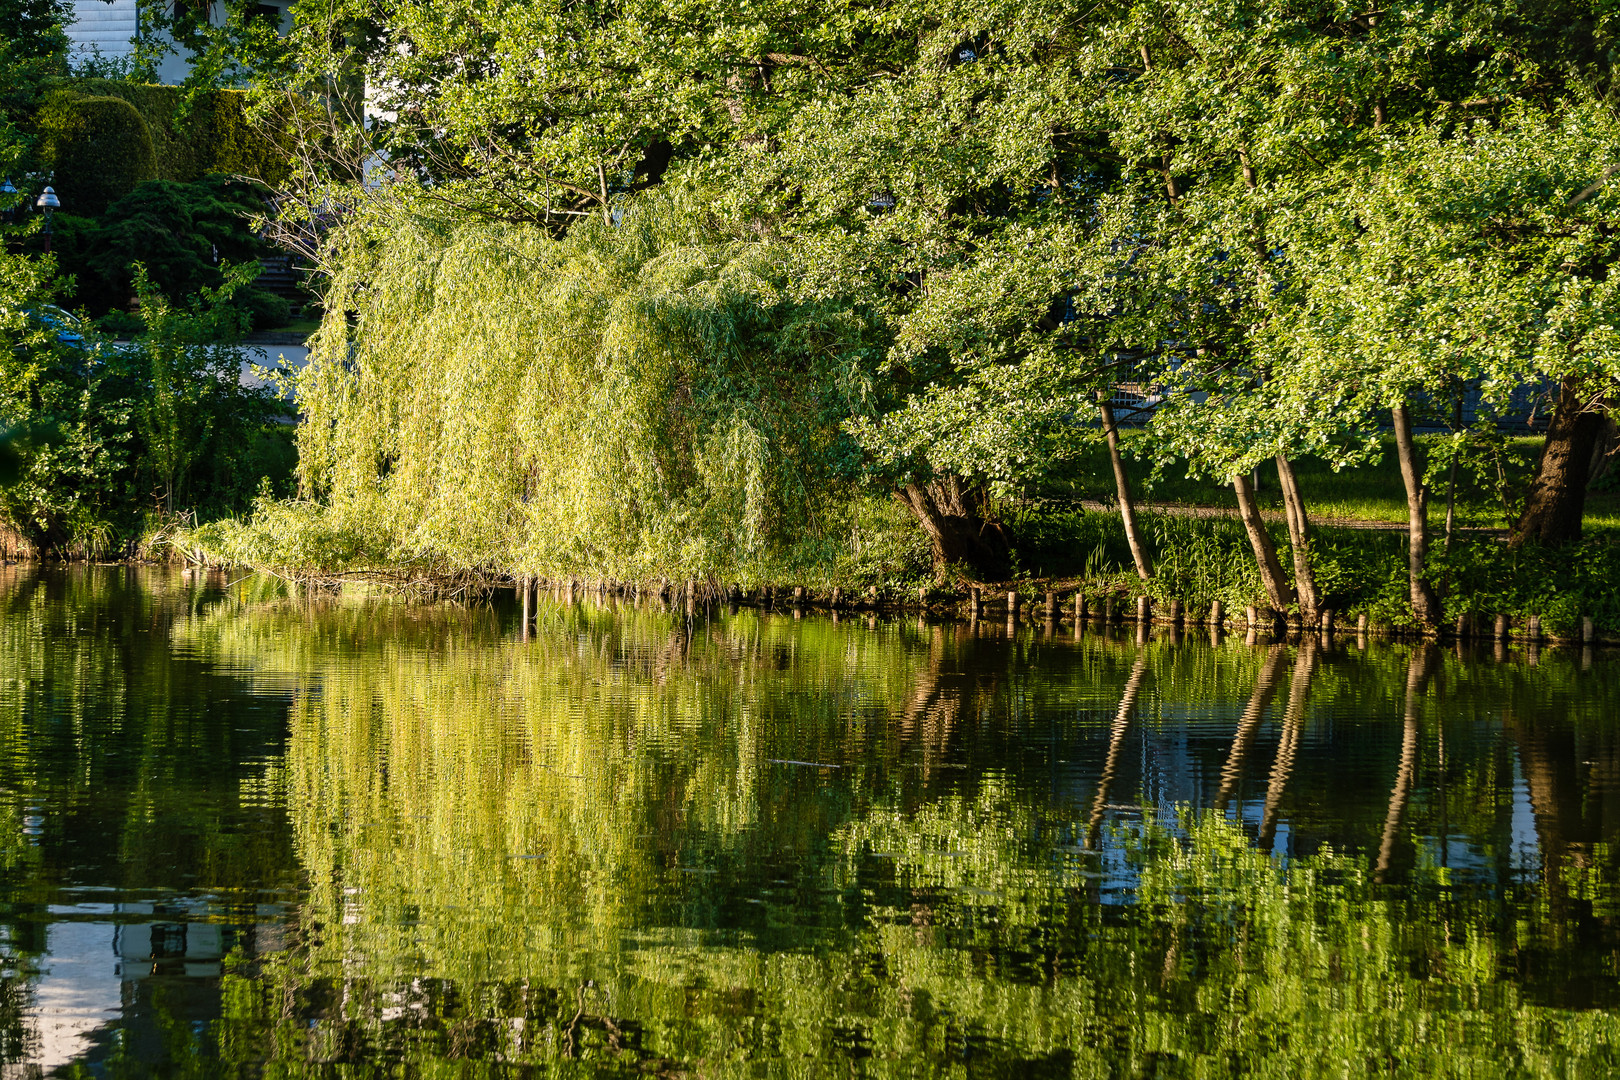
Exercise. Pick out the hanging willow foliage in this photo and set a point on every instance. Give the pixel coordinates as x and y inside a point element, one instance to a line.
<point>628,403</point>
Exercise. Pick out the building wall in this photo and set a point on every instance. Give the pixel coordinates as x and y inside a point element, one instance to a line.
<point>110,27</point>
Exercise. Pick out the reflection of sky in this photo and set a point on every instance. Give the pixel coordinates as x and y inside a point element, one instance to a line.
<point>98,956</point>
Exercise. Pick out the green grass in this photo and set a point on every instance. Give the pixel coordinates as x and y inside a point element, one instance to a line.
<point>1370,493</point>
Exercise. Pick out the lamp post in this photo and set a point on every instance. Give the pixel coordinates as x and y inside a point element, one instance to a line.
<point>47,202</point>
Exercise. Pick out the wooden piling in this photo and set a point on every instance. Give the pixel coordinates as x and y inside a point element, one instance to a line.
<point>1588,630</point>
<point>1532,628</point>
<point>1051,606</point>
<point>1215,615</point>
<point>1327,622</point>
<point>1144,608</point>
<point>1501,627</point>
<point>1176,613</point>
<point>1251,618</point>
<point>975,602</point>
<point>1079,607</point>
<point>1012,605</point>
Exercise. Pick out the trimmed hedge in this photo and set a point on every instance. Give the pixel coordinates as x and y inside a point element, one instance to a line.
<point>99,148</point>
<point>213,136</point>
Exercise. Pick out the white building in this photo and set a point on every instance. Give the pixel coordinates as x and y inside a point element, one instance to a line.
<point>110,28</point>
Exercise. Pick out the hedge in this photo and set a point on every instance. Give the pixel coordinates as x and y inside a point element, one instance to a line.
<point>214,136</point>
<point>99,147</point>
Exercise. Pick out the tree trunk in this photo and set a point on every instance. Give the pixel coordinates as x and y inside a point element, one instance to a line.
<point>1278,590</point>
<point>1424,604</point>
<point>1299,539</point>
<point>1127,504</point>
<point>1557,501</point>
<point>1605,453</point>
<point>954,514</point>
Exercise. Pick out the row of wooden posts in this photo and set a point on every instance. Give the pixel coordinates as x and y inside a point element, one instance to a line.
<point>1108,609</point>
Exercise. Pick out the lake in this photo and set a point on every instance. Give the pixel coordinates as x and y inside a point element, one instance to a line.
<point>253,831</point>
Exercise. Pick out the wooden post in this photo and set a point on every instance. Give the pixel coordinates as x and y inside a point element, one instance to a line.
<point>1532,628</point>
<point>1464,628</point>
<point>1501,627</point>
<point>975,602</point>
<point>1327,621</point>
<point>1110,608</point>
<point>523,586</point>
<point>1144,608</point>
<point>1079,607</point>
<point>1250,618</point>
<point>1176,613</point>
<point>798,596</point>
<point>1012,605</point>
<point>1588,630</point>
<point>1051,606</point>
<point>1215,615</point>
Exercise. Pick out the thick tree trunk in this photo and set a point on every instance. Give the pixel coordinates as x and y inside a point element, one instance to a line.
<point>1127,503</point>
<point>1557,500</point>
<point>1278,590</point>
<point>1299,539</point>
<point>1605,453</point>
<point>1424,604</point>
<point>954,514</point>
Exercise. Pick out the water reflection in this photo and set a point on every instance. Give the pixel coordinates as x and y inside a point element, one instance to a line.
<point>247,828</point>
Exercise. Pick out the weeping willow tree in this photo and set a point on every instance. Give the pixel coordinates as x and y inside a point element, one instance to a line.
<point>637,400</point>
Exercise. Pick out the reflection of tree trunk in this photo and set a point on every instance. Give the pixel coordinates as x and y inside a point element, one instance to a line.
<point>1116,739</point>
<point>956,516</point>
<point>932,712</point>
<point>1424,604</point>
<point>1417,676</point>
<point>1249,723</point>
<point>1556,503</point>
<point>1555,796</point>
<point>1299,539</point>
<point>1293,720</point>
<point>1122,485</point>
<point>1278,590</point>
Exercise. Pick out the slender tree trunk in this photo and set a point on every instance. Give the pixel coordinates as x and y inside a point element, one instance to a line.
<point>1299,539</point>
<point>1127,503</point>
<point>1424,604</point>
<point>955,515</point>
<point>1557,500</point>
<point>1280,593</point>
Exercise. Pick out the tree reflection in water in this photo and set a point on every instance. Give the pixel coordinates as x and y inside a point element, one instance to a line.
<point>758,845</point>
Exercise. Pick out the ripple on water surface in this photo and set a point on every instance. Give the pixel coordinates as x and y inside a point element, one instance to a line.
<point>249,830</point>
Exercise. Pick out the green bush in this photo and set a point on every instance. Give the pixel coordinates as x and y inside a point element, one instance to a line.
<point>213,136</point>
<point>99,149</point>
<point>265,310</point>
<point>182,233</point>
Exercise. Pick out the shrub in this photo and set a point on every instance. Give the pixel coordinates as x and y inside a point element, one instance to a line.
<point>213,136</point>
<point>99,148</point>
<point>265,310</point>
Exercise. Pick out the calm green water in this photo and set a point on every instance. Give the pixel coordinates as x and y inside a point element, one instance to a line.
<point>245,833</point>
